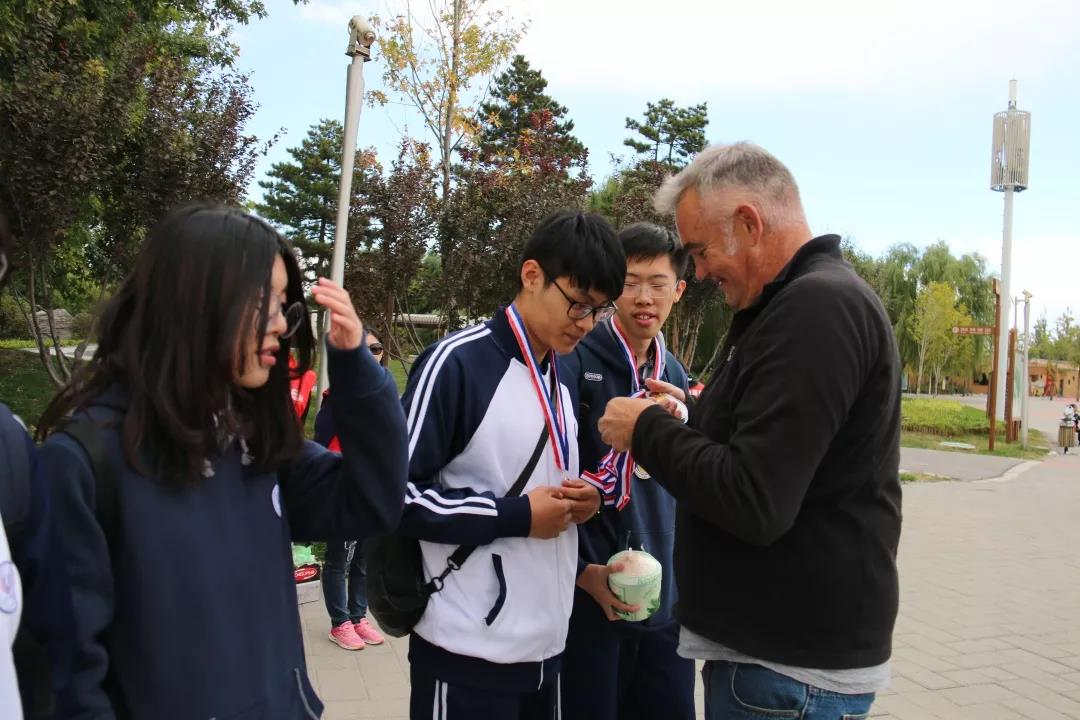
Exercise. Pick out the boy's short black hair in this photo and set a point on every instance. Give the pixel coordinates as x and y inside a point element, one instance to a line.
<point>647,241</point>
<point>581,246</point>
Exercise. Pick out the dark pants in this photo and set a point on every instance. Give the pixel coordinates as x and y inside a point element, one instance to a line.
<point>736,691</point>
<point>342,607</point>
<point>610,673</point>
<point>433,699</point>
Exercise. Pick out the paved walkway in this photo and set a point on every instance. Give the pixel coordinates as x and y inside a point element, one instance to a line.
<point>956,465</point>
<point>990,599</point>
<point>989,623</point>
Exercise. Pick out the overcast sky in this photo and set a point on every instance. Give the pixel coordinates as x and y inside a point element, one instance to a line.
<point>883,111</point>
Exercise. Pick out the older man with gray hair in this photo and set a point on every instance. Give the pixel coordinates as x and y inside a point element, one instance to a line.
<point>787,474</point>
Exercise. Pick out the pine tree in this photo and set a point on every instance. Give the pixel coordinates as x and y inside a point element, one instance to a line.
<point>519,105</point>
<point>301,196</point>
<point>671,134</point>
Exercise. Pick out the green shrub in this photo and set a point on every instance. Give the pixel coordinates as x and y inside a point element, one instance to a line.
<point>25,387</point>
<point>12,321</point>
<point>943,417</point>
<point>81,324</point>
<point>9,344</point>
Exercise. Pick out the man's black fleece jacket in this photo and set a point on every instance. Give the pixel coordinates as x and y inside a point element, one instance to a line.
<point>787,476</point>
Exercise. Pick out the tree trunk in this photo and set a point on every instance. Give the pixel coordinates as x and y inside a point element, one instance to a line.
<point>451,98</point>
<point>691,345</point>
<point>57,377</point>
<point>711,364</point>
<point>80,350</point>
<point>445,249</point>
<point>410,328</point>
<point>918,380</point>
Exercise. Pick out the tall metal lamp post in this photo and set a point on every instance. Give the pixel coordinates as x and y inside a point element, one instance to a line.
<point>361,37</point>
<point>1008,174</point>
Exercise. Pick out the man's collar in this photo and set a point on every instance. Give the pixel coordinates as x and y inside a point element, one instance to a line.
<point>821,245</point>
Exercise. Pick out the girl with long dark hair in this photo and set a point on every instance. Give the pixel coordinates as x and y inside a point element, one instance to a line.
<point>181,568</point>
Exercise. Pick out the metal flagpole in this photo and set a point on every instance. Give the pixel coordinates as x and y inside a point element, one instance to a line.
<point>361,36</point>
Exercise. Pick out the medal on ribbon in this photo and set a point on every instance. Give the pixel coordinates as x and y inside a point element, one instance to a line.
<point>552,407</point>
<point>614,476</point>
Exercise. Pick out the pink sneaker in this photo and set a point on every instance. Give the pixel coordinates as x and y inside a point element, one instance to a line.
<point>345,637</point>
<point>367,632</point>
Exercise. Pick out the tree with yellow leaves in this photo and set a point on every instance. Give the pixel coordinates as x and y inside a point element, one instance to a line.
<point>441,63</point>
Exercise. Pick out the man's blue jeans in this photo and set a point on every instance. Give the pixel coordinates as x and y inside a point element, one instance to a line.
<point>734,691</point>
<point>339,606</point>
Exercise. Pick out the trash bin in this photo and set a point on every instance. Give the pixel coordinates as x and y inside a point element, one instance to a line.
<point>1066,435</point>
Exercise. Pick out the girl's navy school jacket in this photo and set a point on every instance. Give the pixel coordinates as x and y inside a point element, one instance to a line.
<point>193,612</point>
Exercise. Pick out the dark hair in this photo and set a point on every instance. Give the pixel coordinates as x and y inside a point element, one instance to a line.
<point>581,246</point>
<point>169,338</point>
<point>6,248</point>
<point>647,241</point>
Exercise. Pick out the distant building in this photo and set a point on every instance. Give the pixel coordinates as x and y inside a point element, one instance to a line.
<point>1066,377</point>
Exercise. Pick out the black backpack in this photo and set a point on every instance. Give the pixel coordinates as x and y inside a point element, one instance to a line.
<point>31,658</point>
<point>397,593</point>
<point>15,484</point>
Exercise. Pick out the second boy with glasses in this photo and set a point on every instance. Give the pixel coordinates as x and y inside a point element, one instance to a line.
<point>642,675</point>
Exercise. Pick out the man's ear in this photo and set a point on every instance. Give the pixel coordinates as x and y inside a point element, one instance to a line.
<point>749,224</point>
<point>680,288</point>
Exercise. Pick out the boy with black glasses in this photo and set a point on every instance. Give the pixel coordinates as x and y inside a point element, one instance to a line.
<point>487,407</point>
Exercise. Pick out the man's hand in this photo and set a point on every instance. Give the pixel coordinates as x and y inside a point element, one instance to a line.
<point>594,580</point>
<point>550,512</point>
<point>660,386</point>
<point>620,416</point>
<point>584,499</point>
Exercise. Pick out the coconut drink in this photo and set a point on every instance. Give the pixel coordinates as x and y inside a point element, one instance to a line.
<point>638,583</point>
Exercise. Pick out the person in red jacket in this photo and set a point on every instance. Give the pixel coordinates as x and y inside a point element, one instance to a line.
<point>300,388</point>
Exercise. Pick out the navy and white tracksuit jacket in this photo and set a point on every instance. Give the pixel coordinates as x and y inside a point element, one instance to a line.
<point>473,420</point>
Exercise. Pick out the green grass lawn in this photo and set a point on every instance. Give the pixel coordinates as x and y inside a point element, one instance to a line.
<point>926,423</point>
<point>906,477</point>
<point>400,373</point>
<point>25,387</point>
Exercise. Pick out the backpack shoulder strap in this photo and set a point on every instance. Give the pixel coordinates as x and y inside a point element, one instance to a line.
<point>15,467</point>
<point>91,438</point>
<point>459,556</point>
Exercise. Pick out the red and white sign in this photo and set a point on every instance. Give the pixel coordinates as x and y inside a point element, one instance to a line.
<point>306,573</point>
<point>972,330</point>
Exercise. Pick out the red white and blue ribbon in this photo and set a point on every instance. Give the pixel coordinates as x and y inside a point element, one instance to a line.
<point>554,412</point>
<point>615,475</point>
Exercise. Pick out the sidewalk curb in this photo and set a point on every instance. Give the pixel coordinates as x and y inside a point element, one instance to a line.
<point>1012,473</point>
